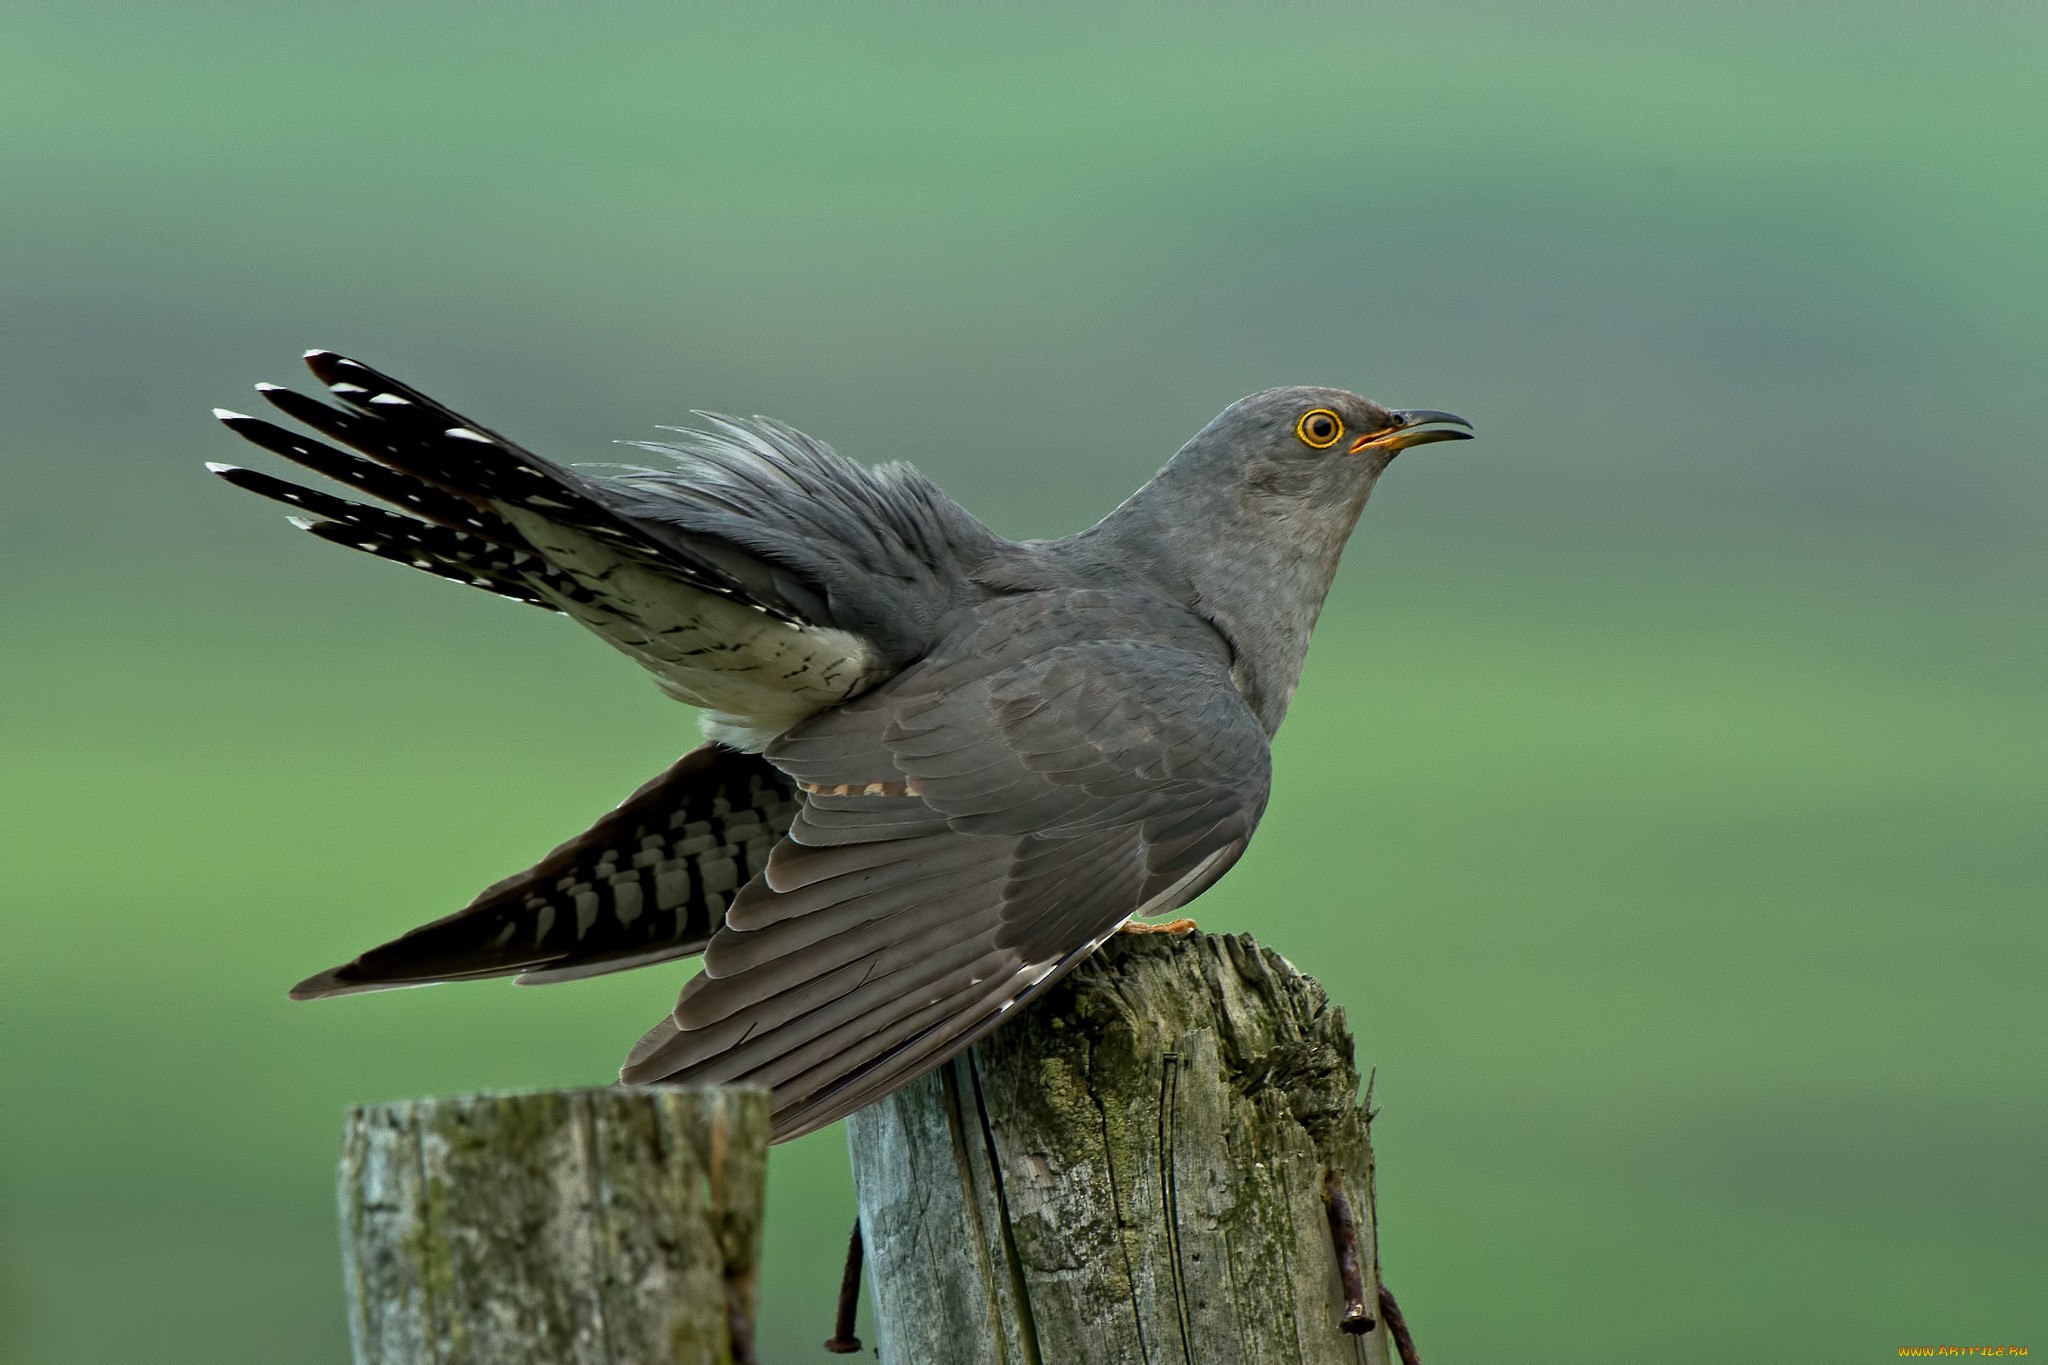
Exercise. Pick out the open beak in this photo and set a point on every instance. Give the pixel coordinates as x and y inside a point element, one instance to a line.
<point>1417,427</point>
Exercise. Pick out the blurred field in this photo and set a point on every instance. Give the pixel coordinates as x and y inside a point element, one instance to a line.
<point>1665,799</point>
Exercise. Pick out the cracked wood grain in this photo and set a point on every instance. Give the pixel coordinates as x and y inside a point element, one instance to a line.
<point>1132,1171</point>
<point>597,1227</point>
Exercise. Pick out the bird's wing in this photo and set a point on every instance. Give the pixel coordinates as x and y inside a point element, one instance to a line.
<point>648,882</point>
<point>765,579</point>
<point>969,831</point>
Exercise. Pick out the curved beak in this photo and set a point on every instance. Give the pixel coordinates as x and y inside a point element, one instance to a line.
<point>1415,427</point>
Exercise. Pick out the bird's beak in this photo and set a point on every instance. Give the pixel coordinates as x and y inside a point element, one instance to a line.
<point>1413,428</point>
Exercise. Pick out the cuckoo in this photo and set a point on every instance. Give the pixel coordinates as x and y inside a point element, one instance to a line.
<point>940,767</point>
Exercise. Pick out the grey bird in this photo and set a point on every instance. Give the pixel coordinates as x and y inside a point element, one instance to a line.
<point>941,768</point>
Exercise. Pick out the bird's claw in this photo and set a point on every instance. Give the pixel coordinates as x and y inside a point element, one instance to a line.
<point>1177,927</point>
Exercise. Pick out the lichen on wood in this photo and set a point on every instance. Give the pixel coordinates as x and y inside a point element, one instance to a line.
<point>577,1226</point>
<point>1132,1170</point>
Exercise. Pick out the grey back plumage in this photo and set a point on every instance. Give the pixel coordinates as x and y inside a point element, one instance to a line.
<point>883,552</point>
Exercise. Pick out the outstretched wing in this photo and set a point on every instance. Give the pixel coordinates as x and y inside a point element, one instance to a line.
<point>648,882</point>
<point>969,832</point>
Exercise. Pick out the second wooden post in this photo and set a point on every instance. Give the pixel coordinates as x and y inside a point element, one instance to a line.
<point>555,1228</point>
<point>1143,1167</point>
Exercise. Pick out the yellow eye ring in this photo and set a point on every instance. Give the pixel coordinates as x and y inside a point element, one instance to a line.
<point>1319,428</point>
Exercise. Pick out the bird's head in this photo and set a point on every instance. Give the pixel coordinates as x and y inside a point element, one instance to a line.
<point>1247,521</point>
<point>1290,467</point>
<point>1314,443</point>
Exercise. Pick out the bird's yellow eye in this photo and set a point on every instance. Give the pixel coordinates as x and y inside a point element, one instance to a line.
<point>1319,428</point>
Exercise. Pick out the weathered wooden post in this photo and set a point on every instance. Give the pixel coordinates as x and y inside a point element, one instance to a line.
<point>1146,1166</point>
<point>598,1226</point>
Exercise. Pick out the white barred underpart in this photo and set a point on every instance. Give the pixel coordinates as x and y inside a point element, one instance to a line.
<point>753,676</point>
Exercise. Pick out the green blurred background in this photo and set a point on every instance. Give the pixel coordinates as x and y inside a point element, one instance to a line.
<point>1665,798</point>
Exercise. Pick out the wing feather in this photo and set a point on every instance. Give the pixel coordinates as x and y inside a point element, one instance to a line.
<point>921,902</point>
<point>826,820</point>
<point>848,1005</point>
<point>1032,790</point>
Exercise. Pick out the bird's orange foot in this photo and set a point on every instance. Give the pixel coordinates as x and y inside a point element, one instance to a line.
<point>1172,926</point>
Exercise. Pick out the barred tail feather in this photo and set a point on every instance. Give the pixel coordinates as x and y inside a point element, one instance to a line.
<point>399,426</point>
<point>649,882</point>
<point>460,556</point>
<point>435,464</point>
